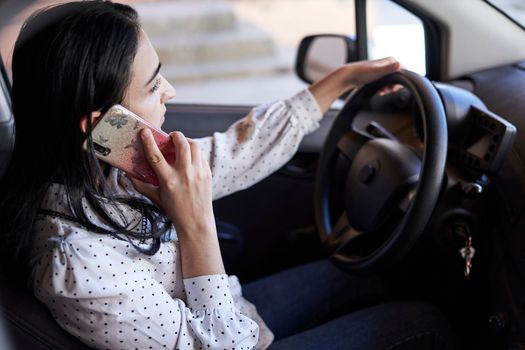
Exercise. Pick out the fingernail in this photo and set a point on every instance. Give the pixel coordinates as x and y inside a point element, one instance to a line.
<point>145,134</point>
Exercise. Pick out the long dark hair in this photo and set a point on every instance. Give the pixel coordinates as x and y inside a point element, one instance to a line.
<point>68,61</point>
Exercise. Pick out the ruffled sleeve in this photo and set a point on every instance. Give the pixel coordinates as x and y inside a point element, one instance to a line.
<point>262,142</point>
<point>105,293</point>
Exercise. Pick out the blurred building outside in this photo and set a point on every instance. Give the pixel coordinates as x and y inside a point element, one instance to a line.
<point>226,51</point>
<point>237,51</point>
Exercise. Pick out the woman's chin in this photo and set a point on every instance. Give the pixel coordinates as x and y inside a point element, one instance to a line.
<point>161,122</point>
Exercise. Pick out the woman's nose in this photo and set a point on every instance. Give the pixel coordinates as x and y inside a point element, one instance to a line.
<point>169,91</point>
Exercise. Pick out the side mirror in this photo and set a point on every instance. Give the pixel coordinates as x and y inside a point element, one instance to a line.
<point>320,54</point>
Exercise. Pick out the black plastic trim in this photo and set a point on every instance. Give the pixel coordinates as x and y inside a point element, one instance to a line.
<point>361,30</point>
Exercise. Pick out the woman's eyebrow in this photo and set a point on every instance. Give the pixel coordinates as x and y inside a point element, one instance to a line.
<point>154,73</point>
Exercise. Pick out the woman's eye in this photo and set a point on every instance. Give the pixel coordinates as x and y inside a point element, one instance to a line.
<point>155,86</point>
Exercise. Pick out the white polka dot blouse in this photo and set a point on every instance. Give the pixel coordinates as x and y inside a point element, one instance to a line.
<point>111,296</point>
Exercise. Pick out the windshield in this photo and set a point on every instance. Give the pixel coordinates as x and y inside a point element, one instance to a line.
<point>515,9</point>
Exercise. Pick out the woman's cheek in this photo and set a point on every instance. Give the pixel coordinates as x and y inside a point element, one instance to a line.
<point>146,109</point>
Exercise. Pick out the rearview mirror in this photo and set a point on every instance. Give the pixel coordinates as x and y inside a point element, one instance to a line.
<point>320,54</point>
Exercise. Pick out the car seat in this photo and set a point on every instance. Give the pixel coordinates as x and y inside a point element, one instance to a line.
<point>25,322</point>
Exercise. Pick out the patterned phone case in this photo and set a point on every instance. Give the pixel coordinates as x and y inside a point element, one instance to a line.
<point>116,140</point>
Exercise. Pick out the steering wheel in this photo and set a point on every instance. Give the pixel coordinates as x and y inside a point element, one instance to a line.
<point>374,195</point>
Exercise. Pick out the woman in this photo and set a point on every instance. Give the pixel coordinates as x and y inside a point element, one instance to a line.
<point>123,264</point>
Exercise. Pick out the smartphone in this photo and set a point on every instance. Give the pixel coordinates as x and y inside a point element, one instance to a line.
<point>116,140</point>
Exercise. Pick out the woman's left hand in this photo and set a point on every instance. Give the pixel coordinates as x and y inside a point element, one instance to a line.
<point>350,76</point>
<point>364,72</point>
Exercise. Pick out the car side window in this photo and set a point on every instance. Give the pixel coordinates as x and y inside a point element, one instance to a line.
<point>238,52</point>
<point>394,31</point>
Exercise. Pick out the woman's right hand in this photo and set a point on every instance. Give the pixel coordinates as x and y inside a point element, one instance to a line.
<point>185,195</point>
<point>184,190</point>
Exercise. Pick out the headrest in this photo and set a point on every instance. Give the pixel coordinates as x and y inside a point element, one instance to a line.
<point>7,123</point>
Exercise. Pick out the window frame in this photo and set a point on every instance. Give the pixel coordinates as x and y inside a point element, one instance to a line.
<point>434,34</point>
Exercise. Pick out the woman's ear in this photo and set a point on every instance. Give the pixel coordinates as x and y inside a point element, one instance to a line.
<point>94,119</point>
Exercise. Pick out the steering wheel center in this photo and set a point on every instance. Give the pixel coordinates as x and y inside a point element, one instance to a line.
<point>380,175</point>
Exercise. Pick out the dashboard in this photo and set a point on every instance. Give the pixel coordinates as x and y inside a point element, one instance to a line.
<point>479,140</point>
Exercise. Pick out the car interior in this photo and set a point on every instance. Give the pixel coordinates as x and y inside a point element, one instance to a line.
<point>424,185</point>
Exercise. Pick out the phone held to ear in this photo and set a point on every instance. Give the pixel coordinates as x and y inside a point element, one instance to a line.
<point>116,139</point>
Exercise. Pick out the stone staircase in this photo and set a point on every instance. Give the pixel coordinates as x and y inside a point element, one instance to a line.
<point>199,40</point>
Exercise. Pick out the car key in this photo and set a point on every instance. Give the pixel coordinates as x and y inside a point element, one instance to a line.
<point>467,253</point>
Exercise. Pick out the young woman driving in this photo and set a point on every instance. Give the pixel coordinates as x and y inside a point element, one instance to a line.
<point>125,265</point>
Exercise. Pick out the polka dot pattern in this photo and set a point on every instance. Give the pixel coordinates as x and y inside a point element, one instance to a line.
<point>259,144</point>
<point>110,296</point>
<point>208,292</point>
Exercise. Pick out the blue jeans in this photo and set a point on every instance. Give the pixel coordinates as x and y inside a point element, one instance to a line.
<point>316,306</point>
